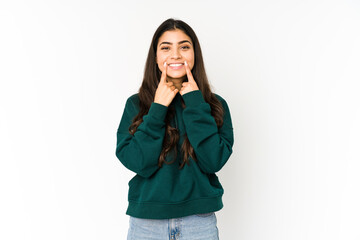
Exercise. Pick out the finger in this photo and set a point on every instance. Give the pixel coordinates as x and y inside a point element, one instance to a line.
<point>188,73</point>
<point>172,88</point>
<point>163,75</point>
<point>169,83</point>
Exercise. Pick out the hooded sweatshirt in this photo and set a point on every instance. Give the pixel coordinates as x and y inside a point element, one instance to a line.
<point>169,192</point>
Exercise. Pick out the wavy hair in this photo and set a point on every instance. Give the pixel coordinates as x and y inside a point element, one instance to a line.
<point>150,83</point>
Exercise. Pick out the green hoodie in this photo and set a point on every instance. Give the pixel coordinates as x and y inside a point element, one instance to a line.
<point>169,192</point>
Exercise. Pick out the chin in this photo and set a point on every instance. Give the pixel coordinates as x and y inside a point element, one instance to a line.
<point>180,75</point>
<point>176,77</point>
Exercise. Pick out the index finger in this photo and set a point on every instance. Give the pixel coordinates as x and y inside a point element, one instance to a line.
<point>163,75</point>
<point>188,73</point>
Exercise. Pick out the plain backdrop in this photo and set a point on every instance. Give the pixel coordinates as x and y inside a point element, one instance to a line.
<point>289,71</point>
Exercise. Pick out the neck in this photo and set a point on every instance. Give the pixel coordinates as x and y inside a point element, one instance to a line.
<point>176,81</point>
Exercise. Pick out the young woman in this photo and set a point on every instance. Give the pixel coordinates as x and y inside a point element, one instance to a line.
<point>175,134</point>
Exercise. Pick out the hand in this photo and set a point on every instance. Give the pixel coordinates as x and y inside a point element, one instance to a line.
<point>190,85</point>
<point>166,91</point>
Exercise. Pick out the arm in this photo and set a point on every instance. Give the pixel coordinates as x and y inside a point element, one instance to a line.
<point>140,152</point>
<point>212,146</point>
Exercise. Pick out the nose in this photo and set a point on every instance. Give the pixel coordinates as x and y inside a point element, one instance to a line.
<point>175,54</point>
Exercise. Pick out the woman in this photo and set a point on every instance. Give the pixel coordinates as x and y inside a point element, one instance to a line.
<point>175,134</point>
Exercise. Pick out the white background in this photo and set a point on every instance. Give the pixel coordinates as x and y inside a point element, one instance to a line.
<point>289,71</point>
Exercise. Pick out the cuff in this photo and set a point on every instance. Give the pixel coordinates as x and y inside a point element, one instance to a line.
<point>193,98</point>
<point>157,111</point>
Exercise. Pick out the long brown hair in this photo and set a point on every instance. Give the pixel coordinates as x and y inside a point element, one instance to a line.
<point>149,85</point>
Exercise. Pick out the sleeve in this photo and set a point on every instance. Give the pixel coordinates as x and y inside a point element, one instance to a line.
<point>212,145</point>
<point>140,152</point>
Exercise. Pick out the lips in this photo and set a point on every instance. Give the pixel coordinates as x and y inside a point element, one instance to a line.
<point>176,66</point>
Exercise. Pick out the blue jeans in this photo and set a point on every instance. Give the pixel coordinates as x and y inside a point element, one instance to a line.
<point>194,227</point>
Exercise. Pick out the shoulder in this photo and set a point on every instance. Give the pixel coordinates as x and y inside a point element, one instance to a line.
<point>227,116</point>
<point>221,100</point>
<point>133,98</point>
<point>133,101</point>
<point>224,104</point>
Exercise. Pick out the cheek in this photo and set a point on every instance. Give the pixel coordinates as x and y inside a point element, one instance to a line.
<point>191,63</point>
<point>190,59</point>
<point>161,67</point>
<point>160,62</point>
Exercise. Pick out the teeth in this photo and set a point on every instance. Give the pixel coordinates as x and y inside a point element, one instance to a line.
<point>175,65</point>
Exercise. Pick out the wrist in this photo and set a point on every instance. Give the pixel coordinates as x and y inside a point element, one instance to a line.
<point>161,103</point>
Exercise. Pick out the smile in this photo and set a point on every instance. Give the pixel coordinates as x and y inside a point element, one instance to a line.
<point>176,66</point>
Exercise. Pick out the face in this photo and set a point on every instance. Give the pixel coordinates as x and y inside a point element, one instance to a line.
<point>174,47</point>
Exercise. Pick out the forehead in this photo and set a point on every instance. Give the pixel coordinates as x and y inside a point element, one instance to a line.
<point>173,36</point>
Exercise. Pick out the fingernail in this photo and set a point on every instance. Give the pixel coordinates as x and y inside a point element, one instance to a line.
<point>164,64</point>
<point>185,63</point>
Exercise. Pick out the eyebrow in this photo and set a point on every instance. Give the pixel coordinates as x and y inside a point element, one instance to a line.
<point>178,42</point>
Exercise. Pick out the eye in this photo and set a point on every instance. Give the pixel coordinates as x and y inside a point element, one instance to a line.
<point>186,47</point>
<point>164,48</point>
